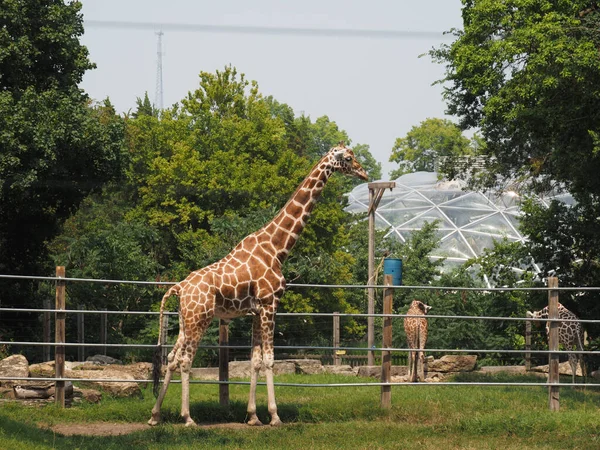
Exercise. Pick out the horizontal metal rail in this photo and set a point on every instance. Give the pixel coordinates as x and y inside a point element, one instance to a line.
<point>311,385</point>
<point>310,347</point>
<point>328,286</point>
<point>312,314</point>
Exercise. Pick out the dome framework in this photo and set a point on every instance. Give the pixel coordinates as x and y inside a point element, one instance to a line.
<point>468,221</point>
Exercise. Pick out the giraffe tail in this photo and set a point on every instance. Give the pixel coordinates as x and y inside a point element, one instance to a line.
<point>157,358</point>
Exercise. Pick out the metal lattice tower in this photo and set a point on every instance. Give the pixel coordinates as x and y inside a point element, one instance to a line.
<point>158,94</point>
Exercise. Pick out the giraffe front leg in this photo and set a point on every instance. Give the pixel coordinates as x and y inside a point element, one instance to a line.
<point>269,362</point>
<point>256,361</point>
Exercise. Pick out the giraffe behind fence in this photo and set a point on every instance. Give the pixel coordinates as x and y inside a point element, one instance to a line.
<point>570,335</point>
<point>416,338</point>
<point>247,281</point>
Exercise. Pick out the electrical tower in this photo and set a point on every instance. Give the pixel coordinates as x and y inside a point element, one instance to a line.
<point>158,94</point>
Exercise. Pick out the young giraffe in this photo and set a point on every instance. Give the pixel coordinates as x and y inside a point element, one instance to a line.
<point>416,337</point>
<point>247,280</point>
<point>570,334</point>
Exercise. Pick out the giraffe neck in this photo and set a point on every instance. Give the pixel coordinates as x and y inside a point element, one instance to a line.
<point>288,224</point>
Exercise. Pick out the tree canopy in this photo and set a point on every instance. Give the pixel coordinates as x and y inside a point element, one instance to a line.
<point>527,75</point>
<point>432,141</point>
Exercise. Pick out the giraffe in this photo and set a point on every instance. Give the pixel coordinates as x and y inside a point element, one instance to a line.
<point>248,280</point>
<point>416,337</point>
<point>570,334</point>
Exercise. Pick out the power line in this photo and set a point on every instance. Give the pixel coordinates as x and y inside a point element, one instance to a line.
<point>242,29</point>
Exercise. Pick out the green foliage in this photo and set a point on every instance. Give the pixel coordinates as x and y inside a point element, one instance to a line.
<point>432,141</point>
<point>55,147</point>
<point>526,73</point>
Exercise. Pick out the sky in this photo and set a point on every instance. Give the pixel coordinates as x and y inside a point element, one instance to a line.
<point>373,85</point>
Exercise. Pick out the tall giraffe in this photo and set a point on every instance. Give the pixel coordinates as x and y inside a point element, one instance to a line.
<point>570,335</point>
<point>416,337</point>
<point>247,280</point>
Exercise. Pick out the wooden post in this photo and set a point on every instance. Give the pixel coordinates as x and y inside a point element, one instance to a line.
<point>386,355</point>
<point>59,338</point>
<point>103,330</point>
<point>163,340</point>
<point>553,376</point>
<point>223,362</point>
<point>47,329</point>
<point>376,190</point>
<point>527,345</point>
<point>80,334</point>
<point>337,359</point>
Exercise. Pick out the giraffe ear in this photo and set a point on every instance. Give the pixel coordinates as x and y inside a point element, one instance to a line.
<point>339,153</point>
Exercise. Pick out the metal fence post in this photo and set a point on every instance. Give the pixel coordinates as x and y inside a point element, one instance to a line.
<point>59,338</point>
<point>80,334</point>
<point>553,375</point>
<point>103,330</point>
<point>47,326</point>
<point>527,345</point>
<point>386,355</point>
<point>337,359</point>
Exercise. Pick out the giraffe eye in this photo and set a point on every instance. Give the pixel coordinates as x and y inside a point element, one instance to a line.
<point>348,158</point>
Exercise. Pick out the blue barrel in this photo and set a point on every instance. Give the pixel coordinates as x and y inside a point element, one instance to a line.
<point>393,267</point>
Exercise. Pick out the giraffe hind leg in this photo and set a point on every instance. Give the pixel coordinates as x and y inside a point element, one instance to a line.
<point>173,362</point>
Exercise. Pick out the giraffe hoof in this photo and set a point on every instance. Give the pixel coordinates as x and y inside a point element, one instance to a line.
<point>276,422</point>
<point>154,421</point>
<point>254,422</point>
<point>189,422</point>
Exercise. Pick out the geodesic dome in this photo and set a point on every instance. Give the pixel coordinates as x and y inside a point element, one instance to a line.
<point>469,221</point>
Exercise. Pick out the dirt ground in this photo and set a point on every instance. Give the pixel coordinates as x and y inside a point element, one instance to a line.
<point>116,429</point>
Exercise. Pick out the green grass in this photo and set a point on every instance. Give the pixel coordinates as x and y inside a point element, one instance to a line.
<point>422,417</point>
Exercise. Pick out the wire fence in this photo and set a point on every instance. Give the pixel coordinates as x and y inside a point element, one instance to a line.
<point>322,349</point>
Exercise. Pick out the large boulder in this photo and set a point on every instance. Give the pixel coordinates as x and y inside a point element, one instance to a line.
<point>243,369</point>
<point>375,371</point>
<point>103,360</point>
<point>452,363</point>
<point>307,366</point>
<point>136,371</point>
<point>13,366</point>
<point>563,369</point>
<point>342,369</point>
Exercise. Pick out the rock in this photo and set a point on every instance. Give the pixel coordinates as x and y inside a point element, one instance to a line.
<point>242,369</point>
<point>375,371</point>
<point>563,369</point>
<point>340,370</point>
<point>103,360</point>
<point>520,370</point>
<point>40,389</point>
<point>90,395</point>
<point>453,363</point>
<point>13,366</point>
<point>115,388</point>
<point>307,366</point>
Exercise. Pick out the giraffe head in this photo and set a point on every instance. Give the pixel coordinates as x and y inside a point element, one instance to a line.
<point>542,313</point>
<point>420,306</point>
<point>342,160</point>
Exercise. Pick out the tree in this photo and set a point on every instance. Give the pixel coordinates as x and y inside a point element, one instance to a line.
<point>433,141</point>
<point>527,75</point>
<point>54,147</point>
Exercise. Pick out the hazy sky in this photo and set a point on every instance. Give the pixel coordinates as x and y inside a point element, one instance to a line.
<point>374,88</point>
